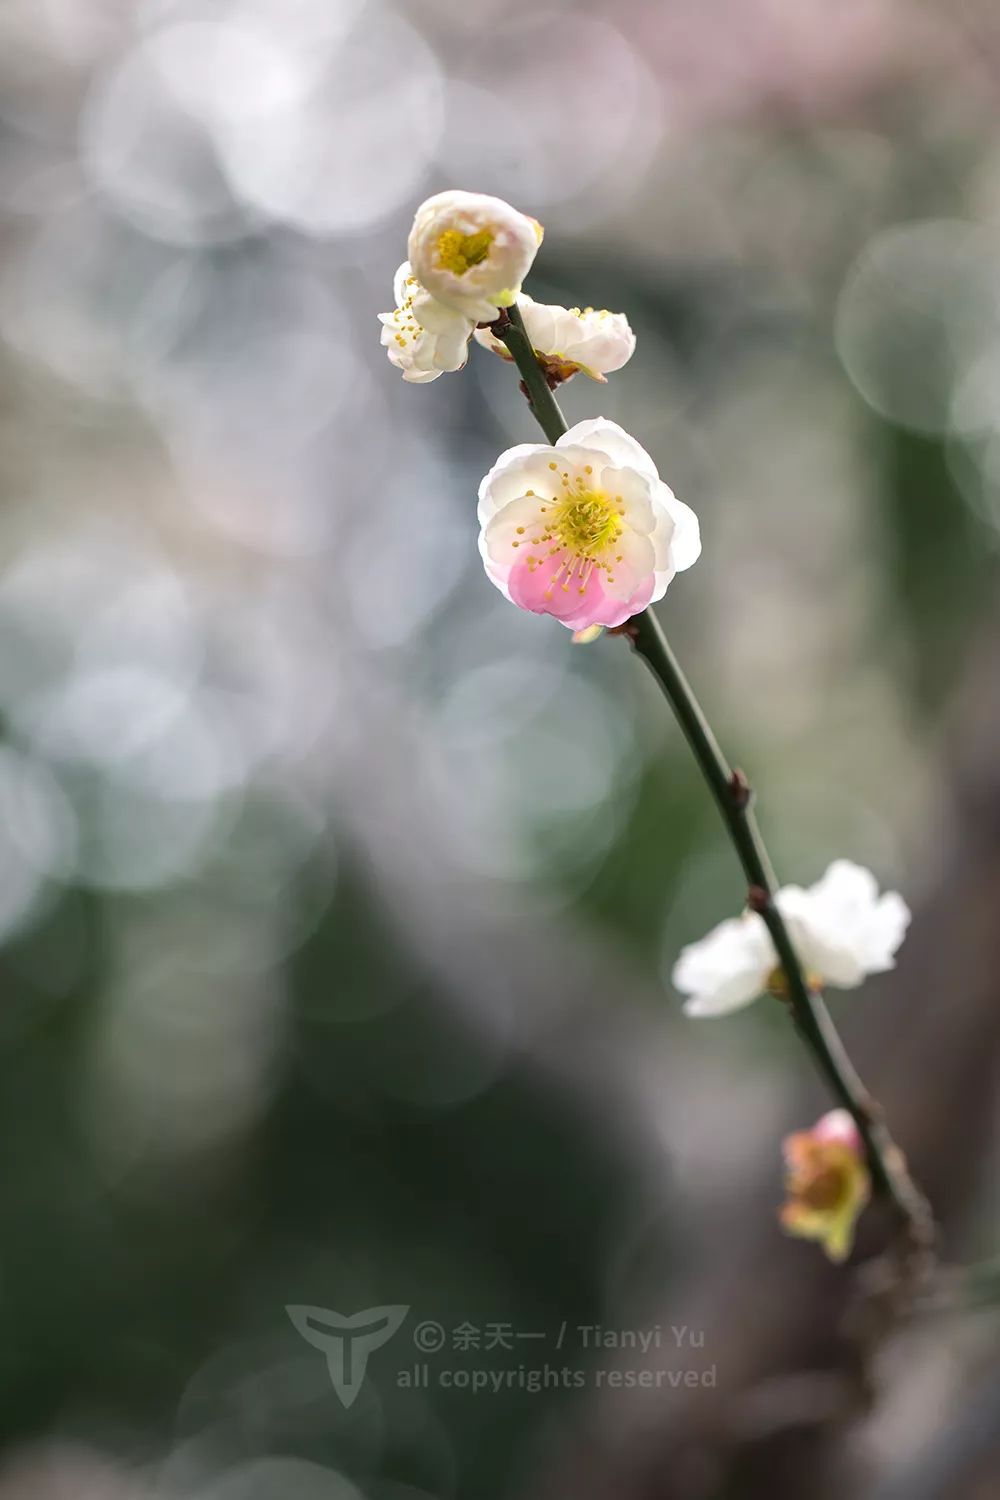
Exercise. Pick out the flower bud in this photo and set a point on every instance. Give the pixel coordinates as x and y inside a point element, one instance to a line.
<point>827,1183</point>
<point>472,252</point>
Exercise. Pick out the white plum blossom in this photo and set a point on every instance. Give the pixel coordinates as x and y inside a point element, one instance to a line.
<point>841,929</point>
<point>585,531</point>
<point>419,352</point>
<point>568,339</point>
<point>728,968</point>
<point>472,252</point>
<point>847,930</point>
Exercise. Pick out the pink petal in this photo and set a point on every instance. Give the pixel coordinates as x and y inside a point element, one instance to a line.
<point>576,605</point>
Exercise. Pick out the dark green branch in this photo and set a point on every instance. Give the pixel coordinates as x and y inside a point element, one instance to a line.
<point>812,1020</point>
<point>733,798</point>
<point>509,327</point>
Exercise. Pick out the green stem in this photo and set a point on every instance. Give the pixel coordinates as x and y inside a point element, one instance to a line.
<point>540,398</point>
<point>733,798</point>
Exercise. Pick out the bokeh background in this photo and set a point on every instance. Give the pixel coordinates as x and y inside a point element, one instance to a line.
<point>338,899</point>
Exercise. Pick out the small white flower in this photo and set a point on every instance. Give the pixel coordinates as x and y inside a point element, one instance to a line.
<point>586,531</point>
<point>472,252</point>
<point>728,968</point>
<point>840,927</point>
<point>422,353</point>
<point>846,930</point>
<point>567,339</point>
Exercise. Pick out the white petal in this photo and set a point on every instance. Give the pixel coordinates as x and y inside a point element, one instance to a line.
<point>501,537</point>
<point>728,968</point>
<point>451,349</point>
<point>523,467</point>
<point>570,456</point>
<point>539,324</point>
<point>635,552</point>
<point>418,377</point>
<point>843,930</point>
<point>495,573</point>
<point>607,437</point>
<point>676,537</point>
<point>609,342</point>
<point>846,884</point>
<point>636,492</point>
<point>487,340</point>
<point>663,577</point>
<point>437,318</point>
<point>399,289</point>
<point>664,527</point>
<point>890,919</point>
<point>685,543</point>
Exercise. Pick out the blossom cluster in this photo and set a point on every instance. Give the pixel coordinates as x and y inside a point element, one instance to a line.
<point>586,531</point>
<point>468,257</point>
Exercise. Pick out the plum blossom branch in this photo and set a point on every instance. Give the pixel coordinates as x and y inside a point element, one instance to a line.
<point>510,330</point>
<point>733,797</point>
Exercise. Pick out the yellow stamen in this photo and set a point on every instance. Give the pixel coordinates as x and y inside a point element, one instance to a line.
<point>585,524</point>
<point>583,530</point>
<point>457,251</point>
<point>777,983</point>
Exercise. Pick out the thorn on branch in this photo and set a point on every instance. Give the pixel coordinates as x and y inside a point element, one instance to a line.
<point>758,899</point>
<point>741,790</point>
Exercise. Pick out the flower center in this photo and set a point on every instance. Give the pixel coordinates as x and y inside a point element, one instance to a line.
<point>777,983</point>
<point>586,524</point>
<point>823,1190</point>
<point>457,251</point>
<point>581,527</point>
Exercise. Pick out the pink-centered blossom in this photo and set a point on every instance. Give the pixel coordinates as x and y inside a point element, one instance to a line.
<point>586,530</point>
